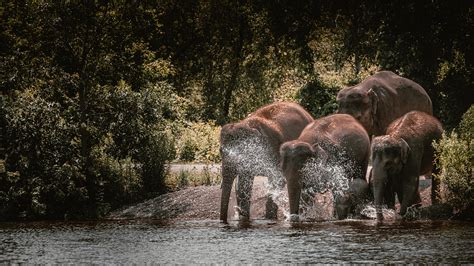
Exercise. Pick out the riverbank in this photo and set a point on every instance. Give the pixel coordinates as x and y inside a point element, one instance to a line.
<point>193,203</point>
<point>203,202</point>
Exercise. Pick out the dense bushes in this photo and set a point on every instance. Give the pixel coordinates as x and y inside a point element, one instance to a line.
<point>455,158</point>
<point>198,142</point>
<point>95,92</point>
<point>318,98</point>
<point>47,174</point>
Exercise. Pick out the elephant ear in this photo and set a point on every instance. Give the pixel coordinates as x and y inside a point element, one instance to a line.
<point>255,126</point>
<point>284,148</point>
<point>319,152</point>
<point>374,99</point>
<point>405,150</point>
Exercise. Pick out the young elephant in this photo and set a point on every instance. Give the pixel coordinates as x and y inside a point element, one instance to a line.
<point>400,157</point>
<point>380,99</point>
<point>328,138</point>
<point>251,147</point>
<point>352,201</point>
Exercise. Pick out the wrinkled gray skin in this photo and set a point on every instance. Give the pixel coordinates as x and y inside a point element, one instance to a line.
<point>352,201</point>
<point>380,99</point>
<point>272,125</point>
<point>327,138</point>
<point>400,157</point>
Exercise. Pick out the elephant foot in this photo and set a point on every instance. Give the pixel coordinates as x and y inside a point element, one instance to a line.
<point>244,223</point>
<point>243,213</point>
<point>379,216</point>
<point>294,218</point>
<point>271,210</point>
<point>244,218</point>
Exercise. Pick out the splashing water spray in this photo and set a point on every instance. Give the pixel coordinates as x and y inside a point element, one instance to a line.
<point>323,181</point>
<point>254,157</point>
<point>369,211</point>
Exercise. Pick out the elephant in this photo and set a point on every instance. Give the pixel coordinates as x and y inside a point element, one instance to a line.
<point>334,139</point>
<point>400,157</point>
<point>267,128</point>
<point>380,99</point>
<point>352,200</point>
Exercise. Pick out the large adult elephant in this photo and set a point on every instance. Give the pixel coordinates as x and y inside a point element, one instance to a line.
<point>380,99</point>
<point>254,141</point>
<point>400,157</point>
<point>335,139</point>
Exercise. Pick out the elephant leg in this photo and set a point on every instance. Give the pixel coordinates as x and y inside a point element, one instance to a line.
<point>343,206</point>
<point>271,208</point>
<point>410,192</point>
<point>271,211</point>
<point>228,175</point>
<point>390,198</point>
<point>244,192</point>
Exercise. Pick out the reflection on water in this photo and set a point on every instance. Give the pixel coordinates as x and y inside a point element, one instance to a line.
<point>260,242</point>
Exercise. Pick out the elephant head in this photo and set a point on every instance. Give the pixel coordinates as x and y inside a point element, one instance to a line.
<point>389,155</point>
<point>357,194</point>
<point>361,104</point>
<point>294,154</point>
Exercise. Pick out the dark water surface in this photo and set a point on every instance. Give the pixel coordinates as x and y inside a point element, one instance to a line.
<point>212,242</point>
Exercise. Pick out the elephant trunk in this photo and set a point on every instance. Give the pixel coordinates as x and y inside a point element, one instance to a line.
<point>379,180</point>
<point>226,187</point>
<point>295,185</point>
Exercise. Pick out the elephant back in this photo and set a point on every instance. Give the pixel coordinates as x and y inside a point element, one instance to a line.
<point>418,129</point>
<point>396,96</point>
<point>381,98</point>
<point>289,119</point>
<point>341,135</point>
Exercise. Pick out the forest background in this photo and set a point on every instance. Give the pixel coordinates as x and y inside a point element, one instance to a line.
<point>97,97</point>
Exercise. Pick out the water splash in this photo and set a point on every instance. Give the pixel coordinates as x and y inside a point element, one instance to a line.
<point>321,177</point>
<point>253,156</point>
<point>369,211</point>
<point>322,182</point>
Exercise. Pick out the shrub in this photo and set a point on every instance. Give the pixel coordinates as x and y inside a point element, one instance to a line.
<point>199,142</point>
<point>455,159</point>
<point>317,98</point>
<point>466,126</point>
<point>43,166</point>
<point>49,175</point>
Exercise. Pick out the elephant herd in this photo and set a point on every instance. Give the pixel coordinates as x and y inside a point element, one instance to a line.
<point>386,120</point>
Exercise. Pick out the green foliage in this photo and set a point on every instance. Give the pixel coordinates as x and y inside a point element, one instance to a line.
<point>49,177</point>
<point>455,158</point>
<point>185,178</point>
<point>199,142</point>
<point>466,127</point>
<point>94,93</point>
<point>42,158</point>
<point>318,99</point>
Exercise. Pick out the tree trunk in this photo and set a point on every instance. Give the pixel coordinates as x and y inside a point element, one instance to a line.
<point>235,66</point>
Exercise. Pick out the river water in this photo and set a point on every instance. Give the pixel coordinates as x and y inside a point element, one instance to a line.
<point>208,241</point>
